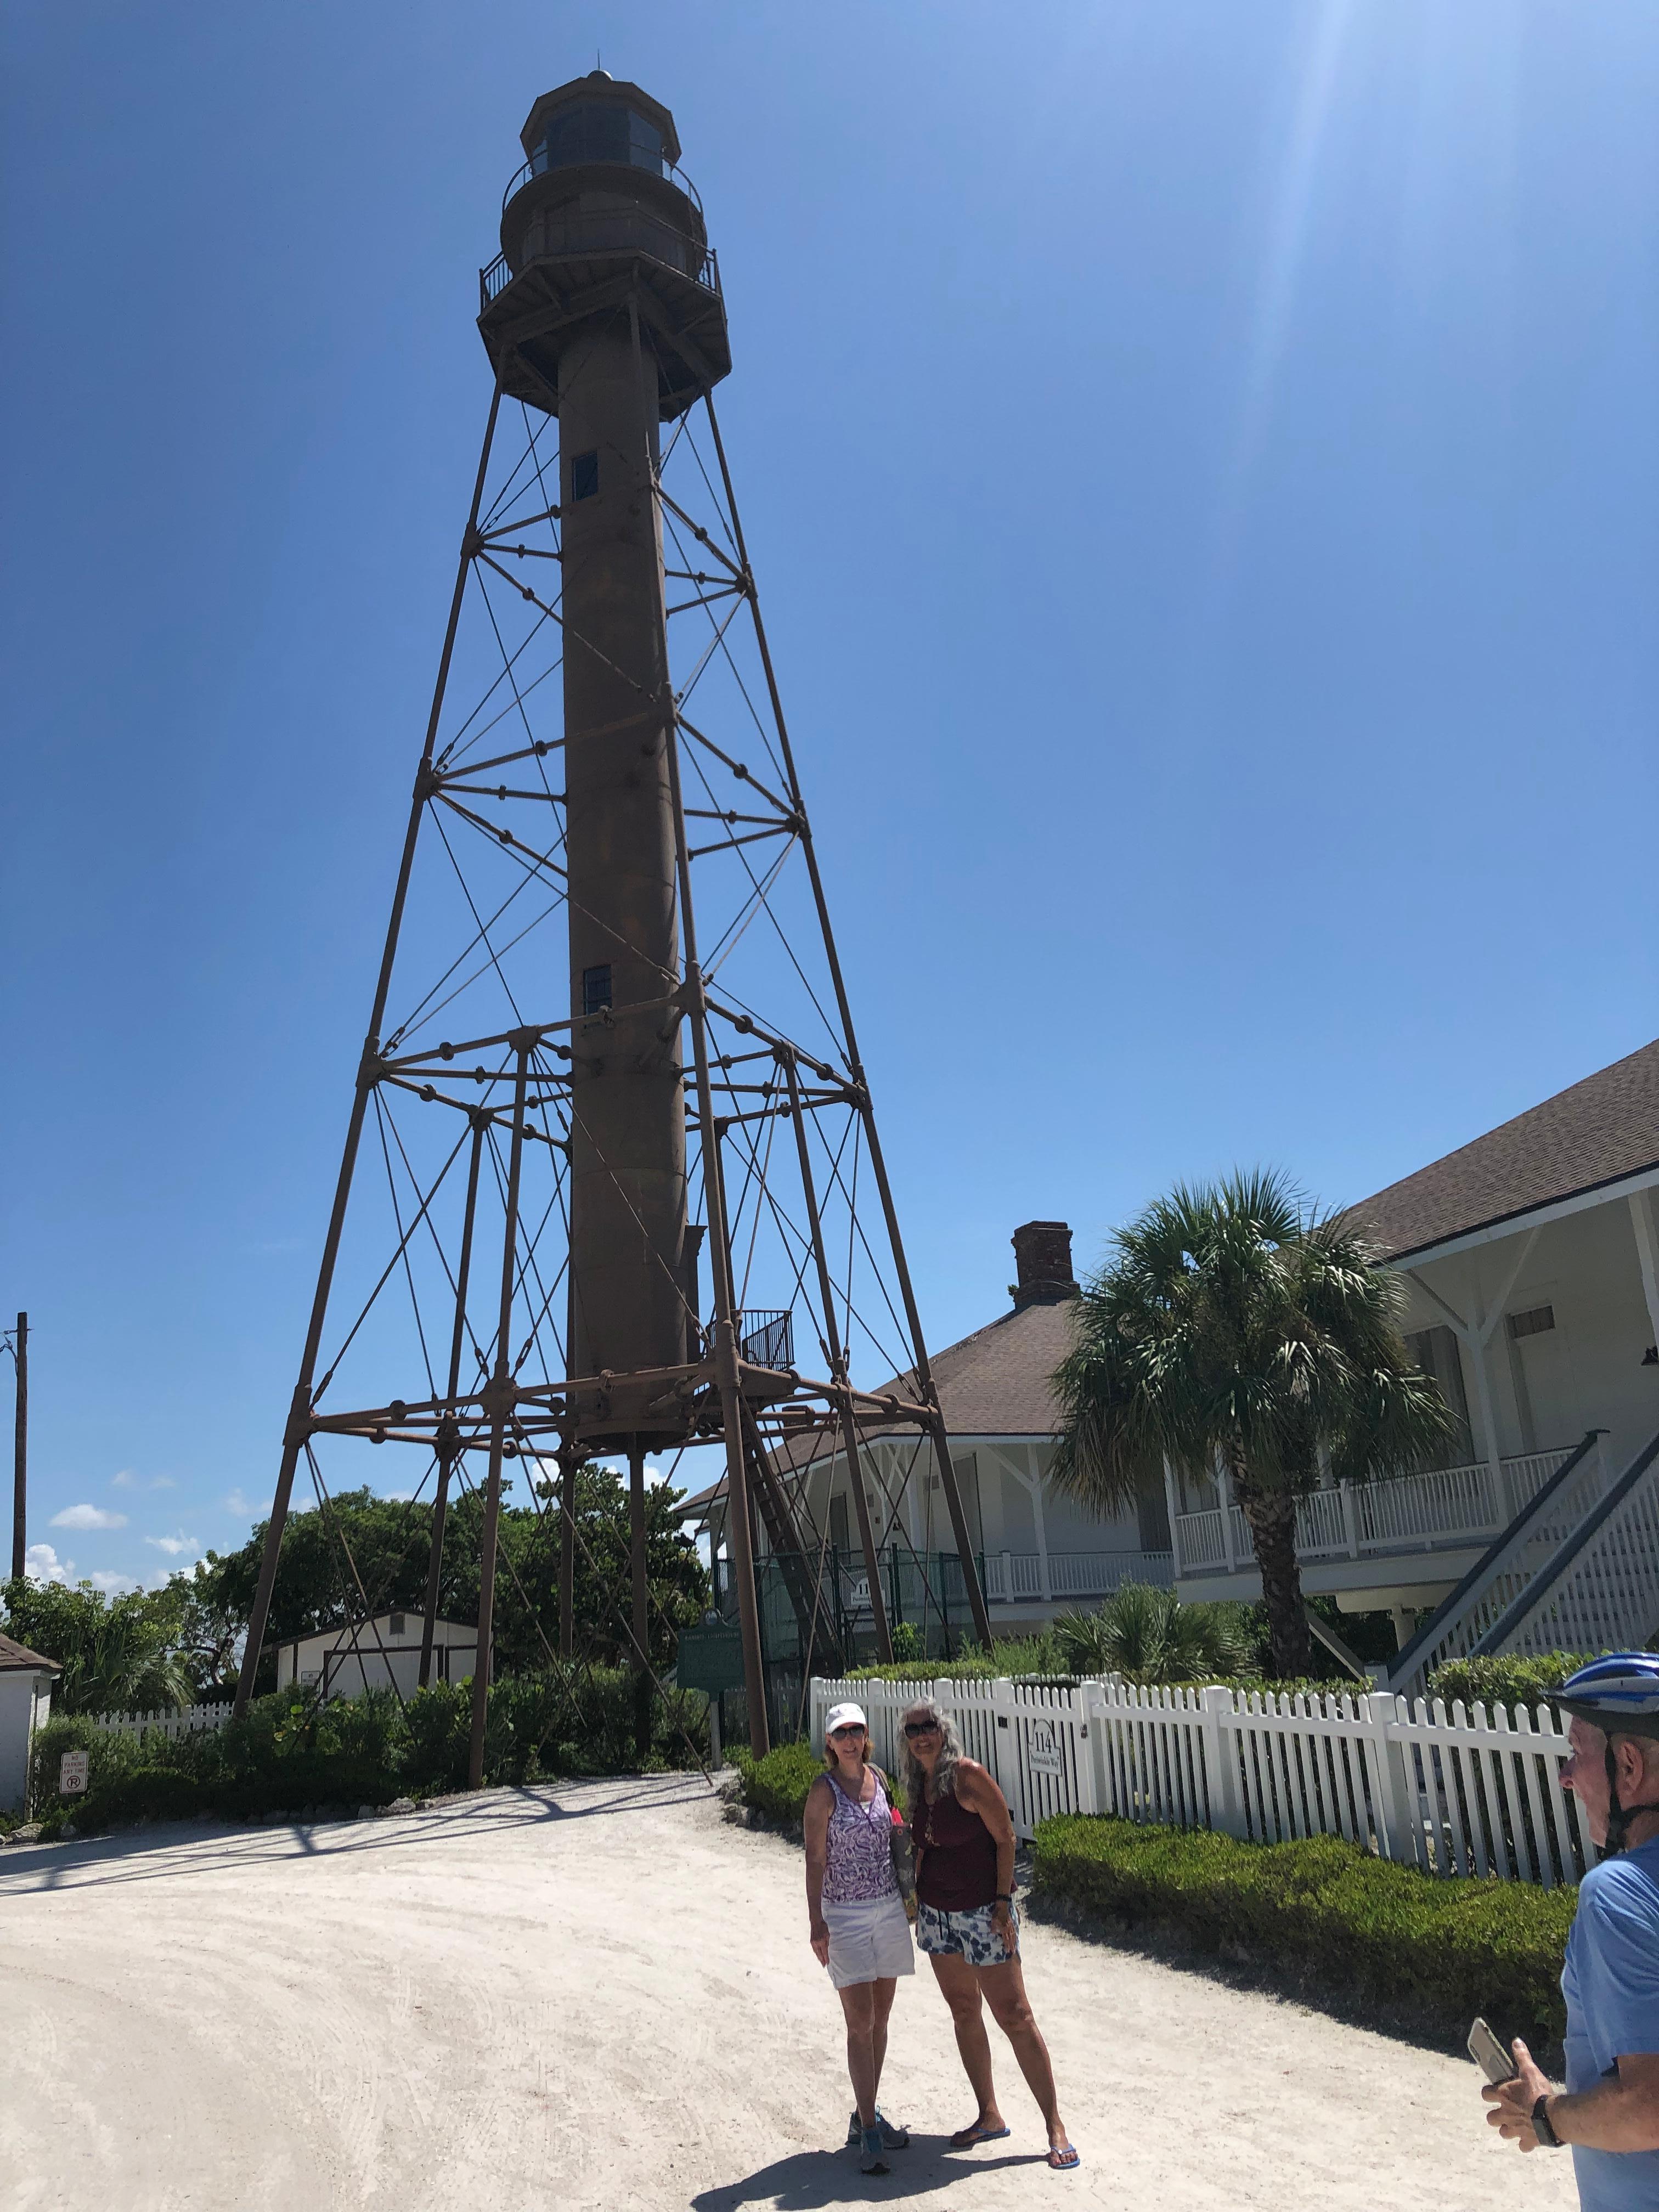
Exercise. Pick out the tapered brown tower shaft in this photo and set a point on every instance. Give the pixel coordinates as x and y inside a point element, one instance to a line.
<point>628,1191</point>
<point>605,311</point>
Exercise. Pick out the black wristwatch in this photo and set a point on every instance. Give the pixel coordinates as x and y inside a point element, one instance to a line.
<point>1540,2124</point>
<point>1003,1897</point>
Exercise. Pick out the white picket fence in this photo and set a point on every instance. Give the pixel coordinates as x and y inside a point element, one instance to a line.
<point>183,1720</point>
<point>1464,1793</point>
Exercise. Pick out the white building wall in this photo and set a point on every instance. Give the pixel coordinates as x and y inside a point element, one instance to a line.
<point>1547,1389</point>
<point>25,1705</point>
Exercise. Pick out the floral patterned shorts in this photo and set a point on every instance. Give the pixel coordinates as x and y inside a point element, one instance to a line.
<point>971,1935</point>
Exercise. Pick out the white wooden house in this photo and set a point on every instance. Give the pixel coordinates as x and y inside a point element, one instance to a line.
<point>1529,1258</point>
<point>376,1654</point>
<point>1041,1552</point>
<point>26,1680</point>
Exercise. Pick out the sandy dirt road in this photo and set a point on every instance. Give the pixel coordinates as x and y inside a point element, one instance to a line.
<point>601,1996</point>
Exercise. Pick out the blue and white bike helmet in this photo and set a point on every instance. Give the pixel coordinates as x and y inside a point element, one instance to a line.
<point>1619,1694</point>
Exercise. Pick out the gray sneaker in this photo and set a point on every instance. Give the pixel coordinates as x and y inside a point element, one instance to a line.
<point>892,2138</point>
<point>872,2161</point>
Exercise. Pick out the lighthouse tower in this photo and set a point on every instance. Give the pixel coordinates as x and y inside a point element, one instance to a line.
<point>635,1199</point>
<point>572,332</point>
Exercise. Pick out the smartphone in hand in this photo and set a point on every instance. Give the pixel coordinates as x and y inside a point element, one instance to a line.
<point>1489,2054</point>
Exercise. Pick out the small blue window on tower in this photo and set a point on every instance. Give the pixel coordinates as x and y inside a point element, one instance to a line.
<point>596,989</point>
<point>583,475</point>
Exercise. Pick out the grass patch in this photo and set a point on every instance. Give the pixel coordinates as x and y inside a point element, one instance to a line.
<point>1328,1918</point>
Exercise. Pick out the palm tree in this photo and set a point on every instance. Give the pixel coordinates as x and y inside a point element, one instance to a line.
<point>1235,1326</point>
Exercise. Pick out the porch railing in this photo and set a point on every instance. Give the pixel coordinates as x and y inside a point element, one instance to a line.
<point>1010,1577</point>
<point>1447,1508</point>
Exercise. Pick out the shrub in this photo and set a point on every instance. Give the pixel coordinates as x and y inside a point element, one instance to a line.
<point>1380,1934</point>
<point>1150,1636</point>
<point>1506,1680</point>
<point>778,1784</point>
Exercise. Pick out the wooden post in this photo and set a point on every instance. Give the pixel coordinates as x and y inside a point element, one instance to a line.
<point>20,1475</point>
<point>641,1624</point>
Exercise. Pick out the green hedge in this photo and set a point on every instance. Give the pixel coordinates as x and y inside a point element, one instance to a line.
<point>1505,1681</point>
<point>1326,1913</point>
<point>777,1784</point>
<point>290,1751</point>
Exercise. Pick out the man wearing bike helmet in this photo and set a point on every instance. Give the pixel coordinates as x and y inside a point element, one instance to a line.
<point>1609,2111</point>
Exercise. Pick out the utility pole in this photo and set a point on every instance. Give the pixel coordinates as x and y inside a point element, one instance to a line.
<point>18,1346</point>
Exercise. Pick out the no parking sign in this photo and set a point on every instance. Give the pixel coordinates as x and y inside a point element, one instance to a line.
<point>72,1773</point>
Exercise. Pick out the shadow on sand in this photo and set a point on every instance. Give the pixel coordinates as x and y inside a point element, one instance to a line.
<point>176,1847</point>
<point>811,2178</point>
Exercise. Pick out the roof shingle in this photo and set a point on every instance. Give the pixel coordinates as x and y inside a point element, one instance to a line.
<point>1595,1132</point>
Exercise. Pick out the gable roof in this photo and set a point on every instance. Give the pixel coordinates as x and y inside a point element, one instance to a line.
<point>1595,1132</point>
<point>996,1383</point>
<point>17,1658</point>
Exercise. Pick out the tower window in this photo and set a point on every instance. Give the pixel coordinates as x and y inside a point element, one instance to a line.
<point>583,475</point>
<point>596,988</point>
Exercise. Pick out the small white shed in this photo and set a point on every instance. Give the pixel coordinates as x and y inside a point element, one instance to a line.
<point>26,1680</point>
<point>376,1654</point>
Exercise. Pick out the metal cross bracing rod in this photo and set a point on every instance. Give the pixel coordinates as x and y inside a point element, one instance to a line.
<point>500,1407</point>
<point>923,1369</point>
<point>301,1404</point>
<point>861,1405</point>
<point>448,1437</point>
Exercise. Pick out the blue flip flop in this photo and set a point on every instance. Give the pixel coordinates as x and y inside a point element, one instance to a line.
<point>1066,2161</point>
<point>965,2138</point>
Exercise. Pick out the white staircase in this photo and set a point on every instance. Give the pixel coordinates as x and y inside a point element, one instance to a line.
<point>1501,1590</point>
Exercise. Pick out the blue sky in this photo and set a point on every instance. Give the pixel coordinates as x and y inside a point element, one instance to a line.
<point>1202,467</point>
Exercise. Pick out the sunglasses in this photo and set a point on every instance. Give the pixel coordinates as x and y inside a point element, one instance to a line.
<point>914,1728</point>
<point>848,1728</point>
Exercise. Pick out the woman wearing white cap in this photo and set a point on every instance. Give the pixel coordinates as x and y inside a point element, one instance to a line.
<point>859,1931</point>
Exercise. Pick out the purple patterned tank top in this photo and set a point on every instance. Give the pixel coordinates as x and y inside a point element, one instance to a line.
<point>859,1863</point>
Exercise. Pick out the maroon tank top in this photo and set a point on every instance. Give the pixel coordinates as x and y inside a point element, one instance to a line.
<point>958,1868</point>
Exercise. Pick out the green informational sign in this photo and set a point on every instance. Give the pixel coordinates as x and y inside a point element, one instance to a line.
<point>710,1659</point>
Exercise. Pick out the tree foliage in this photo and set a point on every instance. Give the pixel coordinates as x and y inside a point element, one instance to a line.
<point>360,1548</point>
<point>1233,1325</point>
<point>118,1655</point>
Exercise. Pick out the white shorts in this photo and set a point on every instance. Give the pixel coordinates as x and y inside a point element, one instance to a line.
<point>869,1941</point>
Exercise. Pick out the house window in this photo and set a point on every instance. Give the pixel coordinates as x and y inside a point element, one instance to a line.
<point>596,989</point>
<point>838,1523</point>
<point>1436,1352</point>
<point>1532,1322</point>
<point>397,1623</point>
<point>583,475</point>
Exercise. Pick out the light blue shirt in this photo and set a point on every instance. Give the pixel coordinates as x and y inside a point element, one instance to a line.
<point>1610,1984</point>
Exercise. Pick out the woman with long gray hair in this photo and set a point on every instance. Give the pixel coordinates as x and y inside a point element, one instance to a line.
<point>967,1923</point>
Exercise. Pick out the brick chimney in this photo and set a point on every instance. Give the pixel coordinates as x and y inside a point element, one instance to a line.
<point>1042,1264</point>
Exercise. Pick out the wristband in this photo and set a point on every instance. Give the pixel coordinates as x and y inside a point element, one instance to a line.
<point>1003,1897</point>
<point>1540,2124</point>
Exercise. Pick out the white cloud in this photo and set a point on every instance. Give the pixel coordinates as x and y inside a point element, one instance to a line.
<point>174,1546</point>
<point>87,1517</point>
<point>126,1479</point>
<point>162,1482</point>
<point>112,1585</point>
<point>42,1565</point>
<point>237,1503</point>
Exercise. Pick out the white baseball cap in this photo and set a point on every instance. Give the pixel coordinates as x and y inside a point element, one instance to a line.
<point>845,1717</point>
